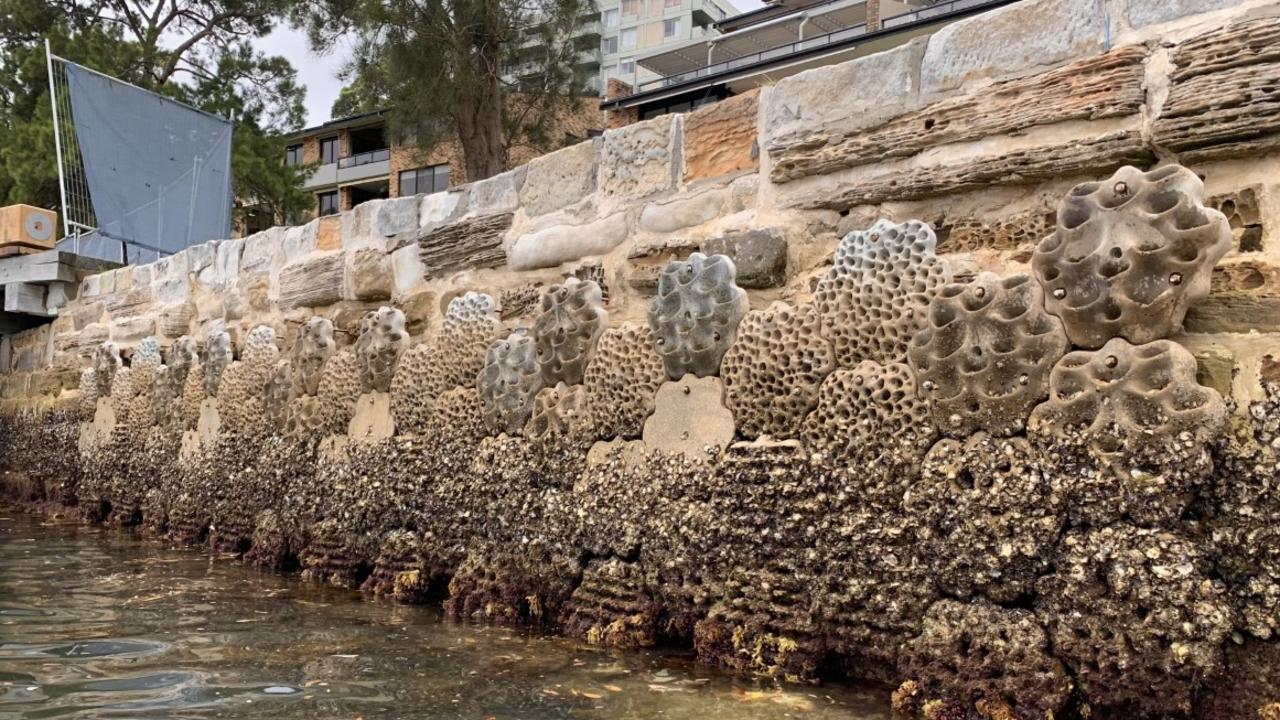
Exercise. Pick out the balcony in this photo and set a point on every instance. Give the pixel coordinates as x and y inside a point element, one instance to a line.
<point>365,165</point>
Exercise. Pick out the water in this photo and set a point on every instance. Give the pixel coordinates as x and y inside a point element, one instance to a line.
<point>96,623</point>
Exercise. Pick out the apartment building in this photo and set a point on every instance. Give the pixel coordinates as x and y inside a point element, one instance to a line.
<point>631,29</point>
<point>747,50</point>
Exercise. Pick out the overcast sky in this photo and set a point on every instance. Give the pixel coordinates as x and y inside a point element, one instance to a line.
<point>320,72</point>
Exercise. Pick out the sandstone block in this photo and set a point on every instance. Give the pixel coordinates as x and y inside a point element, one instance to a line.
<point>1216,368</point>
<point>640,159</point>
<point>397,215</point>
<point>312,282</point>
<point>560,178</point>
<point>175,320</point>
<point>298,241</point>
<point>407,270</point>
<point>368,275</point>
<point>685,211</point>
<point>1149,12</point>
<point>441,206</point>
<point>1234,312</point>
<point>564,243</point>
<point>689,416</point>
<point>200,256</point>
<point>498,194</point>
<point>720,138</point>
<point>1012,40</point>
<point>130,330</point>
<point>261,253</point>
<point>472,242</point>
<point>759,255</point>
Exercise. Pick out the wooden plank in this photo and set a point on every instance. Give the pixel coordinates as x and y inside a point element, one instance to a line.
<point>25,298</point>
<point>46,267</point>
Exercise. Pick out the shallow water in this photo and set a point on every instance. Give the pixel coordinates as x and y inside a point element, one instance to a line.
<point>97,623</point>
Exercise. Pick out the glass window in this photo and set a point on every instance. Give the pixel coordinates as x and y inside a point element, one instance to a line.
<point>673,3</point>
<point>328,203</point>
<point>631,7</point>
<point>434,178</point>
<point>627,66</point>
<point>609,46</point>
<point>670,27</point>
<point>328,150</point>
<point>628,39</point>
<point>611,18</point>
<point>293,155</point>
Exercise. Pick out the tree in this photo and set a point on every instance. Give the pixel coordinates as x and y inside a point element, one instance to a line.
<point>493,73</point>
<point>196,51</point>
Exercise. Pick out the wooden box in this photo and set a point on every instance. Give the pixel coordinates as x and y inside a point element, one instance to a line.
<point>25,225</point>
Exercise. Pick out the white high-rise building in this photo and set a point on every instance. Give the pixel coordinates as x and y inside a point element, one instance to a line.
<point>633,28</point>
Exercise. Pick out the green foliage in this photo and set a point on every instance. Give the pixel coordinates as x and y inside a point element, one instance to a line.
<point>495,74</point>
<point>206,59</point>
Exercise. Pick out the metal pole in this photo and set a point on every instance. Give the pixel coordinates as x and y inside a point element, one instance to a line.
<point>57,137</point>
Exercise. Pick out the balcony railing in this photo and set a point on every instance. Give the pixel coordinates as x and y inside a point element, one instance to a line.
<point>937,11</point>
<point>364,158</point>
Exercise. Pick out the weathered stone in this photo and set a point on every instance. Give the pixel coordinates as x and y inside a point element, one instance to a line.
<point>175,320</point>
<point>498,194</point>
<point>640,159</point>
<point>129,303</point>
<point>1149,12</point>
<point>1223,101</point>
<point>132,329</point>
<point>1244,215</point>
<point>328,232</point>
<point>682,212</point>
<point>564,243</point>
<point>312,282</point>
<point>298,241</point>
<point>407,270</point>
<point>1216,369</point>
<point>1012,40</point>
<point>397,215</point>
<point>368,275</point>
<point>689,416</point>
<point>371,421</point>
<point>1102,86</point>
<point>441,206</point>
<point>473,242</point>
<point>1234,312</point>
<point>1084,156</point>
<point>980,232</point>
<point>720,139</point>
<point>759,255</point>
<point>873,89</point>
<point>560,178</point>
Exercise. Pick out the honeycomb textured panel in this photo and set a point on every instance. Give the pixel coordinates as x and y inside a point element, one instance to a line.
<point>87,399</point>
<point>876,295</point>
<point>106,362</point>
<point>279,387</point>
<point>315,345</point>
<point>558,411</point>
<point>304,417</point>
<point>459,412</point>
<point>260,347</point>
<point>871,414</point>
<point>509,382</point>
<point>984,357</point>
<point>184,355</point>
<point>218,355</point>
<point>622,381</point>
<point>774,369</point>
<point>1123,391</point>
<point>382,340</point>
<point>339,391</point>
<point>453,359</point>
<point>1130,254</point>
<point>242,395</point>
<point>695,316</point>
<point>147,353</point>
<point>192,396</point>
<point>570,322</point>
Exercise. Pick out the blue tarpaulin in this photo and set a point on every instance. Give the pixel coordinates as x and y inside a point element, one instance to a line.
<point>159,172</point>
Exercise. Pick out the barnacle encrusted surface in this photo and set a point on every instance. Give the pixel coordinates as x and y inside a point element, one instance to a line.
<point>217,356</point>
<point>192,396</point>
<point>695,316</point>
<point>87,398</point>
<point>874,297</point>
<point>451,359</point>
<point>1137,617</point>
<point>984,355</point>
<point>870,414</point>
<point>184,355</point>
<point>382,339</point>
<point>106,361</point>
<point>622,381</point>
<point>558,411</point>
<point>1145,392</point>
<point>773,371</point>
<point>508,382</point>
<point>987,517</point>
<point>571,320</point>
<point>339,391</point>
<point>459,412</point>
<point>242,396</point>
<point>314,345</point>
<point>981,656</point>
<point>276,394</point>
<point>1130,254</point>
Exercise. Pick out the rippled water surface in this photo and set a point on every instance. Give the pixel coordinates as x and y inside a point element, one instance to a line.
<point>96,623</point>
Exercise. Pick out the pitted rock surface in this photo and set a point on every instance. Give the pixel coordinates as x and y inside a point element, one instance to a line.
<point>877,292</point>
<point>339,391</point>
<point>509,382</point>
<point>984,357</point>
<point>314,345</point>
<point>871,414</point>
<point>452,359</point>
<point>567,329</point>
<point>106,362</point>
<point>1130,255</point>
<point>382,340</point>
<point>559,411</point>
<point>622,381</point>
<point>1142,393</point>
<point>695,316</point>
<point>774,368</point>
<point>218,355</point>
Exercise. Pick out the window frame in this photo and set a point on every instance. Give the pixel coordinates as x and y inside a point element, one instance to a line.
<point>337,203</point>
<point>429,174</point>
<point>635,38</point>
<point>615,14</point>
<point>624,62</point>
<point>331,142</point>
<point>605,42</point>
<point>294,154</point>
<point>674,24</point>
